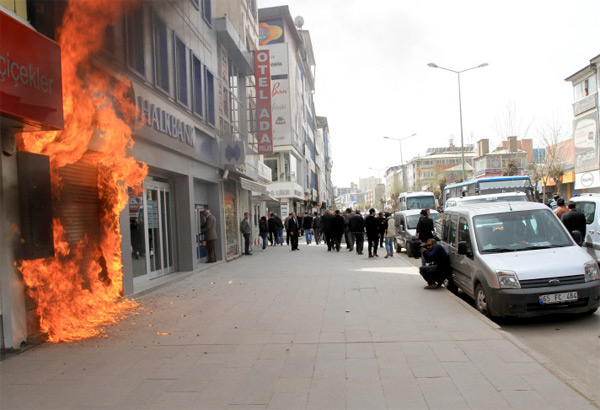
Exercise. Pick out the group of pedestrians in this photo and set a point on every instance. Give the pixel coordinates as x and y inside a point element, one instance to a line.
<point>572,219</point>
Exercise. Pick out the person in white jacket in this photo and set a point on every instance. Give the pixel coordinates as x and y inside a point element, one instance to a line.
<point>390,233</point>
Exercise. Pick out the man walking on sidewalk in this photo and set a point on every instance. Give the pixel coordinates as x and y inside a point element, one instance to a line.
<point>357,226</point>
<point>347,231</point>
<point>293,230</point>
<point>317,228</point>
<point>372,226</point>
<point>307,223</point>
<point>247,231</point>
<point>209,228</point>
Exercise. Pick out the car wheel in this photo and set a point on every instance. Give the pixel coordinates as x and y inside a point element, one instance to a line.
<point>481,300</point>
<point>409,249</point>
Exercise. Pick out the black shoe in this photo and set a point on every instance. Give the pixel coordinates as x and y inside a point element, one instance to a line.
<point>248,253</point>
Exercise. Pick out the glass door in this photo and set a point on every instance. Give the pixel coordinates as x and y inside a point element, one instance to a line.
<point>159,236</point>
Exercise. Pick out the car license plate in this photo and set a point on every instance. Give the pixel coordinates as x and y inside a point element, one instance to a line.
<point>558,298</point>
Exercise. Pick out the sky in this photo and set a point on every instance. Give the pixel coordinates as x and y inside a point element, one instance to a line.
<point>372,78</point>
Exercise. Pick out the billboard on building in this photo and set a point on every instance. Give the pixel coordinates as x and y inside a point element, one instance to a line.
<point>262,72</point>
<point>30,76</point>
<point>270,32</point>
<point>282,126</point>
<point>279,60</point>
<point>585,140</point>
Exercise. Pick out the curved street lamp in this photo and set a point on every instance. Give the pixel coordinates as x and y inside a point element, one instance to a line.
<point>462,146</point>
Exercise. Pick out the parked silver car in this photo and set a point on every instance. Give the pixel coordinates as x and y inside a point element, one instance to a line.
<point>517,259</point>
<point>406,230</point>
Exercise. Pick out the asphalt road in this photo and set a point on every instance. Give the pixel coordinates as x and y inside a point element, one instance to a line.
<point>569,342</point>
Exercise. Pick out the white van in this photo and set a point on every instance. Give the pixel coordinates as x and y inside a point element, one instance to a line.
<point>589,204</point>
<point>517,259</point>
<point>416,200</point>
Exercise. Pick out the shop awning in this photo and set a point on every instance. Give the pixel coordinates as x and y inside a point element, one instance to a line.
<point>253,186</point>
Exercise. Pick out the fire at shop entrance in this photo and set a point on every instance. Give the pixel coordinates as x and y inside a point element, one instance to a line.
<point>79,288</point>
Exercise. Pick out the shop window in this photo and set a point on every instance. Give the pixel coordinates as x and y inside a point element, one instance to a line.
<point>181,73</point>
<point>161,60</point>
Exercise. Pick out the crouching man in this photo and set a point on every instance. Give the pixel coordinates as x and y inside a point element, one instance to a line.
<point>439,271</point>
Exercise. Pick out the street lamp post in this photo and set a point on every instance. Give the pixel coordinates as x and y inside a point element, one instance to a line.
<point>462,145</point>
<point>401,160</point>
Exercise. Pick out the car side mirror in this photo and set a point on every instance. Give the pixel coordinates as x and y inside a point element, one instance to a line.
<point>463,248</point>
<point>577,237</point>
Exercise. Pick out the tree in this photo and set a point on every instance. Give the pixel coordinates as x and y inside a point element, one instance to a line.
<point>510,124</point>
<point>550,135</point>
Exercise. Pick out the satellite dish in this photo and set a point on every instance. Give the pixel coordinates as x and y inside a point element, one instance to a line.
<point>299,21</point>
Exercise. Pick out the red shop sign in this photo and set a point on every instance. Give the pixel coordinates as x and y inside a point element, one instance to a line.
<point>30,77</point>
<point>262,72</point>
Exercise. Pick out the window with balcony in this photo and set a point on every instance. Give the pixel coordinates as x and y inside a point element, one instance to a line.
<point>585,88</point>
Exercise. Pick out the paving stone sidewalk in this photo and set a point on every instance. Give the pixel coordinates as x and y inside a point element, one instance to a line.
<point>291,330</point>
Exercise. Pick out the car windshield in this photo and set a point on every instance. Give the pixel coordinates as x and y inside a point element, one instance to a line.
<point>420,202</point>
<point>518,231</point>
<point>413,220</point>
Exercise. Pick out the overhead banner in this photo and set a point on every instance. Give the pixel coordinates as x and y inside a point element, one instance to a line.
<point>262,72</point>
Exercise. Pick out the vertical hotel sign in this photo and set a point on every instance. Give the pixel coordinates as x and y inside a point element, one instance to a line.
<point>262,72</point>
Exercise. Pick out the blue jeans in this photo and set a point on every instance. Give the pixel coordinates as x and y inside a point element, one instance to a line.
<point>263,235</point>
<point>308,234</point>
<point>389,245</point>
<point>280,237</point>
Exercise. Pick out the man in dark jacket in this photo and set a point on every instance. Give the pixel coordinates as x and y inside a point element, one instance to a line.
<point>357,226</point>
<point>337,229</point>
<point>425,226</point>
<point>574,220</point>
<point>347,231</point>
<point>326,220</point>
<point>317,228</point>
<point>436,254</point>
<point>372,227</point>
<point>293,230</point>
<point>307,226</point>
<point>273,231</point>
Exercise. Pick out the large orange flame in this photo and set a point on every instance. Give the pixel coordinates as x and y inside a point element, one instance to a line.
<point>79,288</point>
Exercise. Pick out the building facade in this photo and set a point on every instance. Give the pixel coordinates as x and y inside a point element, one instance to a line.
<point>586,127</point>
<point>187,68</point>
<point>298,162</point>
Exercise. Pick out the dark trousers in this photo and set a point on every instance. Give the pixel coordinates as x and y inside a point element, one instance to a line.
<point>349,240</point>
<point>317,233</point>
<point>433,275</point>
<point>329,240</point>
<point>246,243</point>
<point>337,242</point>
<point>294,240</point>
<point>373,244</point>
<point>210,250</point>
<point>359,240</point>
